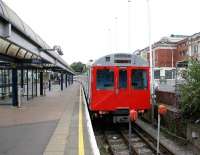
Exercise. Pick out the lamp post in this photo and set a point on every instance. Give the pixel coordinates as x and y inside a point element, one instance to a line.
<point>129,24</point>
<point>151,57</point>
<point>116,34</point>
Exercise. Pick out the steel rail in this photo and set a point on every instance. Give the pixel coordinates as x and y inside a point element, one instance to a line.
<point>151,141</point>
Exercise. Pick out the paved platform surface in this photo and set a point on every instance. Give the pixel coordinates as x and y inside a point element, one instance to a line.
<point>170,144</point>
<point>44,125</point>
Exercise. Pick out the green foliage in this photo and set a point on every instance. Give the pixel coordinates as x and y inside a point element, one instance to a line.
<point>190,91</point>
<point>78,67</point>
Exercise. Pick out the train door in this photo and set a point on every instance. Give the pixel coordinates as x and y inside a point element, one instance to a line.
<point>122,92</point>
<point>139,90</point>
<point>103,88</point>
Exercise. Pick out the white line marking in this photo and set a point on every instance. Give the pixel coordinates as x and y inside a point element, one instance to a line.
<point>92,139</point>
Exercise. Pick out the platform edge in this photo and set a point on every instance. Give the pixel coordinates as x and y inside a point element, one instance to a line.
<point>92,138</point>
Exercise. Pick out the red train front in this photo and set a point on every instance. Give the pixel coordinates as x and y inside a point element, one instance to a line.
<point>119,82</point>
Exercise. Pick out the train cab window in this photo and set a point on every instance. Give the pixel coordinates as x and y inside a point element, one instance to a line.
<point>139,79</point>
<point>105,79</point>
<point>122,79</point>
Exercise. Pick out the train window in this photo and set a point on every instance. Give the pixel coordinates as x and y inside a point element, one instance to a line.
<point>105,79</point>
<point>122,79</point>
<point>139,79</point>
<point>107,59</point>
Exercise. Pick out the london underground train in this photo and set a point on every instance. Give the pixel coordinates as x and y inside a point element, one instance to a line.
<point>118,83</point>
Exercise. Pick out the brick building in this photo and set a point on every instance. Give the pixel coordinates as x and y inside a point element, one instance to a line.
<point>167,52</point>
<point>182,50</point>
<point>194,46</point>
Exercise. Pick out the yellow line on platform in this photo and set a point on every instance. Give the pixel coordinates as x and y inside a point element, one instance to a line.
<point>80,129</point>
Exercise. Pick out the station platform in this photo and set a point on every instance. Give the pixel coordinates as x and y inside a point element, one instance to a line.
<point>55,124</point>
<point>176,147</point>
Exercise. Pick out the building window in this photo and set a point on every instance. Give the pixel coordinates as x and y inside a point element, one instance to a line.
<point>105,79</point>
<point>173,73</point>
<point>139,79</point>
<point>157,74</point>
<point>182,53</point>
<point>195,48</point>
<point>168,74</point>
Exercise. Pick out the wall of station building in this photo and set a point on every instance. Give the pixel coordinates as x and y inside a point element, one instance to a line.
<point>29,83</point>
<point>27,79</point>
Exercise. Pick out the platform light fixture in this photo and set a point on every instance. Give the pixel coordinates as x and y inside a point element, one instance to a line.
<point>58,49</point>
<point>55,48</point>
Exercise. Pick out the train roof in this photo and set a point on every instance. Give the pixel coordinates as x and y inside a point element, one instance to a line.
<point>121,59</point>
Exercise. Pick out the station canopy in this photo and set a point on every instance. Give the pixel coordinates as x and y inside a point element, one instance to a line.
<point>22,42</point>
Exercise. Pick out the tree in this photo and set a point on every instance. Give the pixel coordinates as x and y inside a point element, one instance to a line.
<point>190,91</point>
<point>78,67</point>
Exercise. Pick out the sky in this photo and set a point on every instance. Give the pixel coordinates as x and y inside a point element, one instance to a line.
<point>89,29</point>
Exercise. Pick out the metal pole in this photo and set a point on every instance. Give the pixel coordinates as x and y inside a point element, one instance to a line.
<point>44,83</point>
<point>172,62</point>
<point>19,97</point>
<point>36,81</point>
<point>129,48</point>
<point>129,25</point>
<point>172,58</point>
<point>14,87</point>
<point>158,135</point>
<point>32,81</point>
<point>49,84</point>
<point>151,60</point>
<point>129,137</point>
<point>41,83</point>
<point>116,35</point>
<point>66,80</point>
<point>27,84</point>
<point>70,79</point>
<point>22,78</point>
<point>109,40</point>
<point>61,82</point>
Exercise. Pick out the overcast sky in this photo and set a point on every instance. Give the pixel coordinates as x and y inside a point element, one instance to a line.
<point>89,29</point>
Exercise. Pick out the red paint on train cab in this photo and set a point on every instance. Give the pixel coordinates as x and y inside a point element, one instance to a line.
<point>129,96</point>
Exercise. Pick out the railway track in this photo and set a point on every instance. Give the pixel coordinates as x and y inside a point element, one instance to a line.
<point>116,142</point>
<point>150,141</point>
<point>116,137</point>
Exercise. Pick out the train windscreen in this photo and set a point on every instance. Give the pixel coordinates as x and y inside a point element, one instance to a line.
<point>139,79</point>
<point>105,79</point>
<point>122,79</point>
